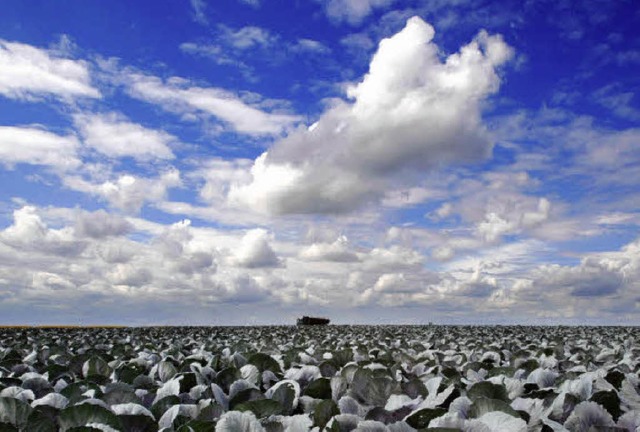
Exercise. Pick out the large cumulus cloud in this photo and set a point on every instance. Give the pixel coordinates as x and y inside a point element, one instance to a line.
<point>411,112</point>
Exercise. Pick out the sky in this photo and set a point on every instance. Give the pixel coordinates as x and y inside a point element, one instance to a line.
<point>242,162</point>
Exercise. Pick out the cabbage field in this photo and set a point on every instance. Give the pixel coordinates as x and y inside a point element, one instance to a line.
<point>326,378</point>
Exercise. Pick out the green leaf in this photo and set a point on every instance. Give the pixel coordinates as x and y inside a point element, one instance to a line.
<point>160,407</point>
<point>529,365</point>
<point>138,423</point>
<point>615,378</point>
<point>226,377</point>
<point>247,395</point>
<point>264,362</point>
<point>74,391</point>
<point>188,381</point>
<point>14,411</point>
<point>335,427</point>
<point>95,366</point>
<point>414,388</point>
<point>144,382</point>
<point>610,401</point>
<point>81,415</point>
<point>7,427</point>
<point>370,389</point>
<point>488,390</point>
<point>440,429</point>
<point>211,412</point>
<point>319,389</point>
<point>503,370</point>
<point>128,372</point>
<point>421,419</point>
<point>84,429</point>
<point>327,369</point>
<point>323,413</point>
<point>120,396</point>
<point>38,421</point>
<point>166,370</point>
<point>198,426</point>
<point>285,394</point>
<point>382,415</point>
<point>261,408</point>
<point>482,406</point>
<point>342,357</point>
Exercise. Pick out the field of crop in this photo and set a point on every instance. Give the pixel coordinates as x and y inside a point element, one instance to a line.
<point>334,378</point>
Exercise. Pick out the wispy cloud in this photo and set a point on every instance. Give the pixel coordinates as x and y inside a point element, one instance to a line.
<point>37,146</point>
<point>182,97</point>
<point>352,11</point>
<point>113,135</point>
<point>198,8</point>
<point>27,72</point>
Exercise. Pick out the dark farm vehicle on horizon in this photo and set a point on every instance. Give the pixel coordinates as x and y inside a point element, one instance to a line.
<point>306,320</point>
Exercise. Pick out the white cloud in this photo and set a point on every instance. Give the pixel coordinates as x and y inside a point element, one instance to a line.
<point>230,46</point>
<point>128,192</point>
<point>29,233</point>
<point>443,253</point>
<point>253,3</point>
<point>353,11</point>
<point>618,101</point>
<point>410,113</point>
<point>392,260</point>
<point>241,48</point>
<point>597,275</point>
<point>198,9</point>
<point>100,224</point>
<point>310,45</point>
<point>114,136</point>
<point>255,251</point>
<point>357,42</point>
<point>618,218</point>
<point>575,146</point>
<point>247,37</point>
<point>444,211</point>
<point>494,226</point>
<point>27,72</point>
<point>115,252</point>
<point>35,146</point>
<point>179,96</point>
<point>410,196</point>
<point>131,275</point>
<point>50,281</point>
<point>338,251</point>
<point>205,50</point>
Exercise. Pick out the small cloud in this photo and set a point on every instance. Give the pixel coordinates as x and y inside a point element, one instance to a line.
<point>352,11</point>
<point>255,251</point>
<point>357,42</point>
<point>29,73</point>
<point>247,37</point>
<point>115,136</point>
<point>100,224</point>
<point>253,3</point>
<point>35,146</point>
<point>198,8</point>
<point>180,96</point>
<point>127,192</point>
<point>311,46</point>
<point>620,102</point>
<point>337,251</point>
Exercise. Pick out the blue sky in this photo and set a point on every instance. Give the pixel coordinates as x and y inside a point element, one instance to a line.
<point>374,161</point>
